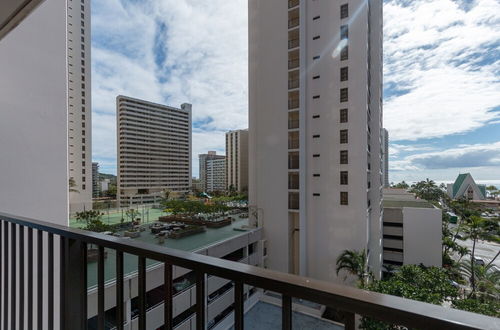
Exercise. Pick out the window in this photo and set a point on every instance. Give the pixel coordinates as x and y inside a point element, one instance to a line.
<point>344,95</point>
<point>316,77</point>
<point>83,171</point>
<point>344,177</point>
<point>316,175</point>
<point>343,136</point>
<point>316,136</point>
<point>343,116</point>
<point>316,97</point>
<point>344,198</point>
<point>315,18</point>
<point>316,38</point>
<point>344,75</point>
<point>344,32</point>
<point>83,186</point>
<point>344,159</point>
<point>316,155</point>
<point>344,11</point>
<point>344,53</point>
<point>316,194</point>
<point>316,57</point>
<point>315,116</point>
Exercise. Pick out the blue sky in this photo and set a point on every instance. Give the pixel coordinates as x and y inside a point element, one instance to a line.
<point>441,77</point>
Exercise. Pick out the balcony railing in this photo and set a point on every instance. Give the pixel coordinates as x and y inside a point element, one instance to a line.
<point>293,22</point>
<point>63,250</point>
<point>293,103</point>
<point>292,64</point>
<point>293,3</point>
<point>292,84</point>
<point>293,43</point>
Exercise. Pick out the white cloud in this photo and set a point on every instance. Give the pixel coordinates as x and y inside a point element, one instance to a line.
<point>171,52</point>
<point>433,51</point>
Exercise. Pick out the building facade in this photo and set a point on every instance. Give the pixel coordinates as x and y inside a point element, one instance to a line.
<point>79,104</point>
<point>216,174</point>
<point>385,157</point>
<point>237,160</point>
<point>412,230</point>
<point>204,160</point>
<point>96,187</point>
<point>154,150</point>
<point>315,131</point>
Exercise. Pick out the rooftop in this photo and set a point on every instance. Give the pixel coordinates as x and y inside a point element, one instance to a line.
<point>401,198</point>
<point>190,244</point>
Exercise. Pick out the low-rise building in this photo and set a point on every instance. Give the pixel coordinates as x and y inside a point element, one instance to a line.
<point>465,187</point>
<point>412,232</point>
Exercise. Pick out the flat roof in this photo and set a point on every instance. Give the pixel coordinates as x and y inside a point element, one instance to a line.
<point>190,243</point>
<point>407,203</point>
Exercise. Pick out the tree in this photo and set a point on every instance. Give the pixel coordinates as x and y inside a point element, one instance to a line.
<point>487,280</point>
<point>427,190</point>
<point>72,185</point>
<point>355,263</point>
<point>491,308</point>
<point>427,284</point>
<point>401,185</point>
<point>491,188</point>
<point>473,229</point>
<point>88,216</point>
<point>132,214</point>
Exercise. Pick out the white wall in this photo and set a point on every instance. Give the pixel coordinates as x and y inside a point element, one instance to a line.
<point>422,236</point>
<point>33,116</point>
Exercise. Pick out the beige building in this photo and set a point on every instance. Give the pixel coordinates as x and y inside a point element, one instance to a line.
<point>237,160</point>
<point>315,91</point>
<point>209,171</point>
<point>412,230</point>
<point>154,150</point>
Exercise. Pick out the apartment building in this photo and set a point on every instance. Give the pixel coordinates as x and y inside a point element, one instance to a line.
<point>237,160</point>
<point>208,163</point>
<point>385,156</point>
<point>216,174</point>
<point>79,104</point>
<point>154,150</point>
<point>96,187</point>
<point>412,230</point>
<point>315,114</point>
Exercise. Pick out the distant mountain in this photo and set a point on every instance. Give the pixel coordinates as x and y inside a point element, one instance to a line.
<point>111,177</point>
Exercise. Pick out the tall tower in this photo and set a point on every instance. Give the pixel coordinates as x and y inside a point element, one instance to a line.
<point>315,98</point>
<point>385,156</point>
<point>237,160</point>
<point>206,164</point>
<point>79,104</point>
<point>154,150</point>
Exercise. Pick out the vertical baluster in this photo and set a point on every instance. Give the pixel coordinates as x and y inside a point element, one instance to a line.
<point>21,277</point>
<point>100,289</point>
<point>349,321</point>
<point>13,258</point>
<point>167,303</point>
<point>50,284</point>
<point>142,293</point>
<point>6,275</point>
<point>286,312</point>
<point>1,273</point>
<point>119,290</point>
<point>30,278</point>
<point>75,285</point>
<point>238,305</point>
<point>39,295</point>
<point>62,282</point>
<point>200,300</point>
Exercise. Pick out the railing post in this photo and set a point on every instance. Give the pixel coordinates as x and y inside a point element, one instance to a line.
<point>238,306</point>
<point>349,321</point>
<point>286,313</point>
<point>200,300</point>
<point>75,289</point>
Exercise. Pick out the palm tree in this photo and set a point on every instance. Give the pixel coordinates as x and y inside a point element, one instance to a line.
<point>72,185</point>
<point>355,263</point>
<point>474,231</point>
<point>487,280</point>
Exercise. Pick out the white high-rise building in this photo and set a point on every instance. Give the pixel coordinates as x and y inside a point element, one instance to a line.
<point>154,150</point>
<point>315,104</point>
<point>79,104</point>
<point>237,160</point>
<point>216,174</point>
<point>203,160</point>
<point>385,156</point>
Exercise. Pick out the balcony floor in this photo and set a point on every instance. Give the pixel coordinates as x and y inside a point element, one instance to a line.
<point>267,316</point>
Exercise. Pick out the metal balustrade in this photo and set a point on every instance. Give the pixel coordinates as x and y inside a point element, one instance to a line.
<point>64,250</point>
